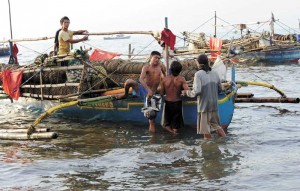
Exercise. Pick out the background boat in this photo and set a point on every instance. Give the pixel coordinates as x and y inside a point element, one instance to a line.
<point>275,54</point>
<point>4,50</point>
<point>116,37</point>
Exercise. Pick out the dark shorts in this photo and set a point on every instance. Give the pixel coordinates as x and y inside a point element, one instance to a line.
<point>173,114</point>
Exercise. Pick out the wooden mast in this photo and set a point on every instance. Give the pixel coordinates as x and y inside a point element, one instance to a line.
<point>166,48</point>
<point>215,24</point>
<point>11,36</point>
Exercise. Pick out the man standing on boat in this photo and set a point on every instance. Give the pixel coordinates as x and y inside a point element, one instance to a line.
<point>206,86</point>
<point>65,37</point>
<point>147,86</point>
<point>150,78</point>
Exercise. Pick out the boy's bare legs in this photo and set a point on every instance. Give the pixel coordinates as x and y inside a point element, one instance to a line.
<point>152,125</point>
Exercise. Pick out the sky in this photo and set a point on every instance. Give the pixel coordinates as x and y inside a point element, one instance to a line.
<point>39,18</point>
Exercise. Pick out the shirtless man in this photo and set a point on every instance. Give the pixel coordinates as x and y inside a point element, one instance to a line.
<point>149,82</point>
<point>172,85</point>
<point>150,78</point>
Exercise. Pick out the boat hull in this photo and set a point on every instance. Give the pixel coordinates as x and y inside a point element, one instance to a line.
<point>130,111</point>
<point>4,52</point>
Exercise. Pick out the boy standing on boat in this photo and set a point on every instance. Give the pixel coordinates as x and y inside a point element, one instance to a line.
<point>150,78</point>
<point>206,86</point>
<point>172,85</point>
<point>65,37</point>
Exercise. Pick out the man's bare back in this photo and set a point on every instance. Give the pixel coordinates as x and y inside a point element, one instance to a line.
<point>173,85</point>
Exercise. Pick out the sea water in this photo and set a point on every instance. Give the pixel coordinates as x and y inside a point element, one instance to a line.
<point>261,150</point>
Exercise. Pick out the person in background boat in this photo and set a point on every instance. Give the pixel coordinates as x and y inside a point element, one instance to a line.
<point>172,85</point>
<point>149,82</point>
<point>206,86</point>
<point>65,37</point>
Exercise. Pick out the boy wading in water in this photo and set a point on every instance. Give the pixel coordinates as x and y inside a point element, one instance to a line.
<point>172,85</point>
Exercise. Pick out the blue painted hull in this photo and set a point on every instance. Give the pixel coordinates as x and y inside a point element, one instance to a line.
<point>291,54</point>
<point>130,111</point>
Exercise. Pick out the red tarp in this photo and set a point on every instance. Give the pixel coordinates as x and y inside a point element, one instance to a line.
<point>169,38</point>
<point>102,55</point>
<point>11,83</point>
<point>215,44</point>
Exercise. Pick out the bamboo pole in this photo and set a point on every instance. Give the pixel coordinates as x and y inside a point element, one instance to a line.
<point>41,83</point>
<point>49,112</point>
<point>166,52</point>
<point>245,95</point>
<point>50,85</point>
<point>56,68</point>
<point>120,32</point>
<point>129,51</point>
<point>26,39</point>
<point>24,136</point>
<point>86,92</point>
<point>91,34</point>
<point>38,130</point>
<point>267,100</point>
<point>83,73</point>
<point>39,96</point>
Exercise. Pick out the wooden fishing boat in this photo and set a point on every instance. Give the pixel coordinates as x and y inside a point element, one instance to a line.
<point>275,54</point>
<point>93,87</point>
<point>252,45</point>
